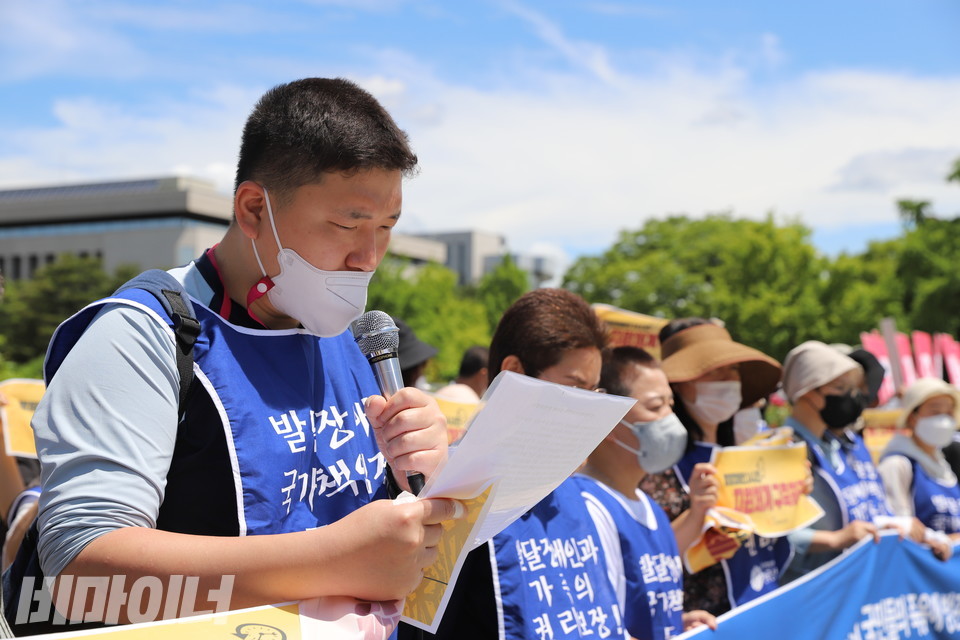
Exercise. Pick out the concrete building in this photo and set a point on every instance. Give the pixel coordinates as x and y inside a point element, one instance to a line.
<point>540,269</point>
<point>167,221</point>
<point>158,222</point>
<point>150,223</point>
<point>470,252</point>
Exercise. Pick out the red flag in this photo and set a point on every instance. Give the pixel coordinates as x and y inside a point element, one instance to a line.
<point>907,370</point>
<point>951,357</point>
<point>923,355</point>
<point>874,343</point>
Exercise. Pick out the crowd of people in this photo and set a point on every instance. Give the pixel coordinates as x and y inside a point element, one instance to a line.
<point>272,456</point>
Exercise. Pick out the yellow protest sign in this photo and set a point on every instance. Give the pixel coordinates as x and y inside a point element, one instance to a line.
<point>766,484</point>
<point>22,396</point>
<point>458,415</point>
<point>422,605</point>
<point>632,329</point>
<point>879,426</point>
<point>723,532</point>
<point>762,485</point>
<point>280,622</point>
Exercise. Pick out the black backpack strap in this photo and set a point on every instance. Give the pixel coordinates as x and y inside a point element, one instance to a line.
<point>175,301</point>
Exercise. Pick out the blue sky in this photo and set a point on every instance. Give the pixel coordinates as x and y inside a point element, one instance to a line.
<point>556,124</point>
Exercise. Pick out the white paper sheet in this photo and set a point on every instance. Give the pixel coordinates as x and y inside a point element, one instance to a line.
<point>529,437</point>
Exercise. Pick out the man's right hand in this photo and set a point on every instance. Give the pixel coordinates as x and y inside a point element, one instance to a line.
<point>385,547</point>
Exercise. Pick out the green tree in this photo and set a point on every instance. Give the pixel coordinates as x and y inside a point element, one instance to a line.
<point>32,309</point>
<point>954,175</point>
<point>428,299</point>
<point>860,289</point>
<point>927,271</point>
<point>762,279</point>
<point>913,212</point>
<point>499,288</point>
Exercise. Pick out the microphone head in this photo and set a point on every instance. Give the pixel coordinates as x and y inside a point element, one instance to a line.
<point>375,331</point>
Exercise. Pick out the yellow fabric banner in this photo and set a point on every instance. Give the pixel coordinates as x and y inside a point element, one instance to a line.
<point>281,622</point>
<point>22,396</point>
<point>631,329</point>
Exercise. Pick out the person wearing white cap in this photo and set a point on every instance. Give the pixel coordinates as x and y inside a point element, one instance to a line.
<point>822,386</point>
<point>916,476</point>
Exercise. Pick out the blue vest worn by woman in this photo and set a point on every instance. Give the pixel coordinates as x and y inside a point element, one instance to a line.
<point>856,483</point>
<point>653,571</point>
<point>937,505</point>
<point>550,575</point>
<point>756,566</point>
<point>287,411</point>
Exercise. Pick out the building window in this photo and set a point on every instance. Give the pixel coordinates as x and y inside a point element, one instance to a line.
<point>51,257</point>
<point>32,262</point>
<point>15,268</point>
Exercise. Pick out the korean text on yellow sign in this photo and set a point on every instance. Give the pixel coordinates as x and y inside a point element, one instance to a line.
<point>767,483</point>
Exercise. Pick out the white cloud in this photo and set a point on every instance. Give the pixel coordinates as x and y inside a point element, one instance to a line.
<point>49,36</point>
<point>562,160</point>
<point>586,55</point>
<point>880,171</point>
<point>771,52</point>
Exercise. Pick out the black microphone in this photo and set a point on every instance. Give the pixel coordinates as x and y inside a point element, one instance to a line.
<point>378,337</point>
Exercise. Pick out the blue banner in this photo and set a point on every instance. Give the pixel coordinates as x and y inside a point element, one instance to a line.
<point>876,591</point>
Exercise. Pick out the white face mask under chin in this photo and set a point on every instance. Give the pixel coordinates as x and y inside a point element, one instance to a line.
<point>324,302</point>
<point>716,401</point>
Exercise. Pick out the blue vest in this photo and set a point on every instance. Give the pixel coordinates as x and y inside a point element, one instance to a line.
<point>551,573</point>
<point>936,505</point>
<point>856,484</point>
<point>651,564</point>
<point>291,407</point>
<point>756,566</point>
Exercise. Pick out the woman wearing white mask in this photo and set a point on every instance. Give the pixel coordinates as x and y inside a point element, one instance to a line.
<point>823,388</point>
<point>712,378</point>
<point>641,551</point>
<point>916,477</point>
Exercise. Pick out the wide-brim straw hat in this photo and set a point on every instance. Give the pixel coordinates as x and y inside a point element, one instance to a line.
<point>921,391</point>
<point>697,350</point>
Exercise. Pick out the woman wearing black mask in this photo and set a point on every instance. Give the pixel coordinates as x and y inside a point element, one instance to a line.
<point>823,387</point>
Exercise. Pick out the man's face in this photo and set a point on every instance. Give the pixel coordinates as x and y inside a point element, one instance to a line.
<point>654,398</point>
<point>577,368</point>
<point>342,223</point>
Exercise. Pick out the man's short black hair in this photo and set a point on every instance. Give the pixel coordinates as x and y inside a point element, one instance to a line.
<point>474,359</point>
<point>617,365</point>
<point>300,130</point>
